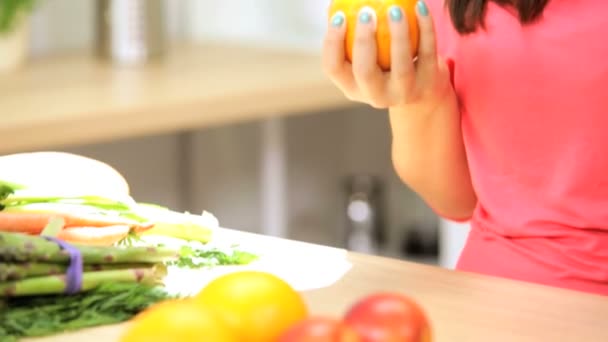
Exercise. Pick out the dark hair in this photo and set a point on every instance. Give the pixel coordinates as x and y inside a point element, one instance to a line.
<point>468,15</point>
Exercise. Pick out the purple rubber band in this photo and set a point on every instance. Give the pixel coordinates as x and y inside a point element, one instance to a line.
<point>73,275</point>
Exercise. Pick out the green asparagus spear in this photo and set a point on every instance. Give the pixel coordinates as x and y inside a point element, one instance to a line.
<point>16,247</point>
<point>17,271</point>
<point>56,284</point>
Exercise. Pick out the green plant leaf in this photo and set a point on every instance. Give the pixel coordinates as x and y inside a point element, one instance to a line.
<point>11,11</point>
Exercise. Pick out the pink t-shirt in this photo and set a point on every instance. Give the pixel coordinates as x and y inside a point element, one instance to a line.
<point>534,104</point>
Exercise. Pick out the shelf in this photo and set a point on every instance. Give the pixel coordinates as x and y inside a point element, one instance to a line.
<point>77,99</point>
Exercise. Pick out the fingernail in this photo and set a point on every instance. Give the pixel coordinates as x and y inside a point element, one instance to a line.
<point>366,15</point>
<point>422,9</point>
<point>338,19</point>
<point>396,14</point>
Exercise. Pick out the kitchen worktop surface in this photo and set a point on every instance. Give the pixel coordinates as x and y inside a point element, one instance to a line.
<point>461,306</point>
<point>76,98</point>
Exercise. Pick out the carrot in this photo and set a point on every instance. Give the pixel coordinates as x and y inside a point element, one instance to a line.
<point>97,236</point>
<point>34,222</point>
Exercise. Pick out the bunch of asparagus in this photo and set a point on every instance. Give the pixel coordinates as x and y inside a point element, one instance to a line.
<point>32,265</point>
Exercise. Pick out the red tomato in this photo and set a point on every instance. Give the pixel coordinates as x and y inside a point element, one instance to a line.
<point>389,317</point>
<point>320,329</point>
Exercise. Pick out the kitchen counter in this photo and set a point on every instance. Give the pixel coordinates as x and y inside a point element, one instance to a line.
<point>461,306</point>
<point>77,99</point>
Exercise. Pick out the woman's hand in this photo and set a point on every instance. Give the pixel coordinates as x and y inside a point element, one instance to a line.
<point>423,83</point>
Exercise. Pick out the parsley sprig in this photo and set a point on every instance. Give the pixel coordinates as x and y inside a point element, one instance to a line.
<point>199,258</point>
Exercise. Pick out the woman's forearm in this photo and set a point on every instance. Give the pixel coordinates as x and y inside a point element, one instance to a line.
<point>429,156</point>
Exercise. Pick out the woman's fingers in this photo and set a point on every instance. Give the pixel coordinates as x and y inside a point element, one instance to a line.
<point>334,61</point>
<point>403,74</point>
<point>368,75</point>
<point>364,80</point>
<point>427,50</point>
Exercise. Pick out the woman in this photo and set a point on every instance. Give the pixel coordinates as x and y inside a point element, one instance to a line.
<point>503,121</point>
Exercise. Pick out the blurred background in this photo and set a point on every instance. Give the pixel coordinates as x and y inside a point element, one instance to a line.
<point>318,172</point>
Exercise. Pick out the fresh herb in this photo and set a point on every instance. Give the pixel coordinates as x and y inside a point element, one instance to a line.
<point>6,189</point>
<point>131,240</point>
<point>198,258</point>
<point>110,303</point>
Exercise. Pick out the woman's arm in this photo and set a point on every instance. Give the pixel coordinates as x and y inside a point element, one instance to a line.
<point>428,155</point>
<point>428,152</point>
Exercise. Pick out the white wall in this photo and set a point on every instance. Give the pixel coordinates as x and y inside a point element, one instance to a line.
<point>298,23</point>
<point>60,25</point>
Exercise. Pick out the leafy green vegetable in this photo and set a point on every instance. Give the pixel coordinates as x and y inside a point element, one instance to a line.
<point>199,258</point>
<point>110,303</point>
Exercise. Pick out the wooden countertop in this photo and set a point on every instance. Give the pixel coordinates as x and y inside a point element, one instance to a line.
<point>75,99</point>
<point>462,307</point>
